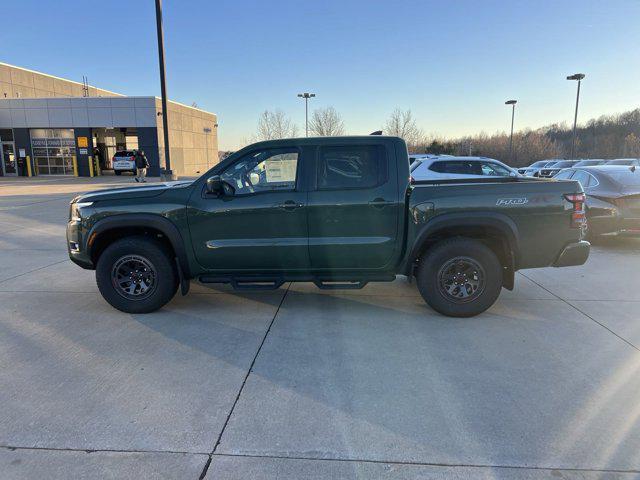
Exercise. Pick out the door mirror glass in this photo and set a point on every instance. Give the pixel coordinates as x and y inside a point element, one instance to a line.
<point>214,185</point>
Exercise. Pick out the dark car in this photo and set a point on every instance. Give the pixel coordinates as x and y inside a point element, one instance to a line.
<point>552,170</point>
<point>612,197</point>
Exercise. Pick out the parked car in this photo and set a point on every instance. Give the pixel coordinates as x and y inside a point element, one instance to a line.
<point>533,170</point>
<point>124,161</point>
<point>550,170</point>
<point>459,167</point>
<point>336,211</point>
<point>590,162</point>
<point>612,197</point>
<point>624,161</point>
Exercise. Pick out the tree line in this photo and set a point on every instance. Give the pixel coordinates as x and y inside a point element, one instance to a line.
<point>609,136</point>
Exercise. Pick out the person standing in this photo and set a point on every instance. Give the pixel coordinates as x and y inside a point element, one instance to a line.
<point>141,166</point>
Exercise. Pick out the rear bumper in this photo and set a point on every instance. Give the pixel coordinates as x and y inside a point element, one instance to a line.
<point>573,254</point>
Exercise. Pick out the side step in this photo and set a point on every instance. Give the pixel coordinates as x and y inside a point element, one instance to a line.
<point>246,283</point>
<point>329,285</point>
<point>266,282</point>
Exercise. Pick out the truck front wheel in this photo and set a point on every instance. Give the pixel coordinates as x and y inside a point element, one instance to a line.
<point>459,277</point>
<point>136,275</point>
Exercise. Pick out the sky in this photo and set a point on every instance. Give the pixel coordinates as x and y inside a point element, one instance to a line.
<point>452,63</point>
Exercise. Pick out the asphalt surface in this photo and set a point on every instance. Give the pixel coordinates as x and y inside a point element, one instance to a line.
<point>302,383</point>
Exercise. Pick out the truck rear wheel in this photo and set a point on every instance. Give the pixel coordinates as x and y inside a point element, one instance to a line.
<point>118,172</point>
<point>136,275</point>
<point>459,277</point>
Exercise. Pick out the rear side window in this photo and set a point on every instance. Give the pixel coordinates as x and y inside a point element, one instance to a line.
<point>124,154</point>
<point>357,166</point>
<point>457,167</point>
<point>583,178</point>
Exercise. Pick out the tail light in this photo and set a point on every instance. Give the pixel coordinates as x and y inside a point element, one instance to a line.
<point>411,179</point>
<point>132,158</point>
<point>578,216</point>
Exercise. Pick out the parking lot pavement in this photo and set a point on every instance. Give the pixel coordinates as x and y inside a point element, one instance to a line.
<point>304,383</point>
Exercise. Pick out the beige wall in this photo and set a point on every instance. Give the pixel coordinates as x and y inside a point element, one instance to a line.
<point>16,82</point>
<point>192,150</point>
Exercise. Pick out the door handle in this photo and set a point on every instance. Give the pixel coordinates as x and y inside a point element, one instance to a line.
<point>378,203</point>
<point>290,205</point>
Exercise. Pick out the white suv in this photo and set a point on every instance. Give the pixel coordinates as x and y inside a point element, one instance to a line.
<point>450,167</point>
<point>124,161</point>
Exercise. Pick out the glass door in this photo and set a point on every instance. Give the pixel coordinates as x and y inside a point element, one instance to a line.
<point>9,161</point>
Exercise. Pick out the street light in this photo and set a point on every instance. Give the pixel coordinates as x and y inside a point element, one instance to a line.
<point>306,97</point>
<point>167,174</point>
<point>578,77</point>
<point>513,113</point>
<point>207,131</point>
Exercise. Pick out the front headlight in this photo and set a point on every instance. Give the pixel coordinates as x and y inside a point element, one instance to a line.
<point>74,211</point>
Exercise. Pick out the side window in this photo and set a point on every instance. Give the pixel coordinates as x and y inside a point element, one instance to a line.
<point>459,167</point>
<point>263,171</point>
<point>494,169</point>
<point>564,175</point>
<point>582,177</point>
<point>357,166</point>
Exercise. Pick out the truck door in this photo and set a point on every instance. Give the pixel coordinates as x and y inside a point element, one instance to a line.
<point>354,207</point>
<point>262,225</point>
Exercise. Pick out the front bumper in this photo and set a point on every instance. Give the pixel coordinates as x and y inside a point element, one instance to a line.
<point>573,254</point>
<point>75,246</point>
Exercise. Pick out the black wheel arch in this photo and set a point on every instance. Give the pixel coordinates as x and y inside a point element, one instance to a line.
<point>497,231</point>
<point>108,229</point>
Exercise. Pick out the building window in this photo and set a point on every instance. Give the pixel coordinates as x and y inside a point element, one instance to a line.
<point>53,149</point>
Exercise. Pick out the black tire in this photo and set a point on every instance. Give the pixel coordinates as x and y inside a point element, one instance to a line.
<point>459,277</point>
<point>149,265</point>
<point>118,172</point>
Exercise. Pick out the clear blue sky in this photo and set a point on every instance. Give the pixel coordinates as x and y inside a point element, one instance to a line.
<point>453,63</point>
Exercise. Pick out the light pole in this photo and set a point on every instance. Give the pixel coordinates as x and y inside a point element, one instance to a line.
<point>167,174</point>
<point>207,131</point>
<point>578,77</point>
<point>513,113</point>
<point>306,97</point>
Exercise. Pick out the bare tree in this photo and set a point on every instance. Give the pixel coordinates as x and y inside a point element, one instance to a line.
<point>631,146</point>
<point>326,122</point>
<point>401,124</point>
<point>274,125</point>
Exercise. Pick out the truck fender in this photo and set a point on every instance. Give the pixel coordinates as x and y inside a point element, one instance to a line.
<point>142,220</point>
<point>460,221</point>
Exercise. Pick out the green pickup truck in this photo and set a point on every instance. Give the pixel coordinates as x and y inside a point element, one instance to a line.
<point>339,212</point>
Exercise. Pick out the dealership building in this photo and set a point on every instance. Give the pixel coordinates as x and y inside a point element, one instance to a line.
<point>53,126</point>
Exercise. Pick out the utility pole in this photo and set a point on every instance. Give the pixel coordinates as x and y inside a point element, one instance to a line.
<point>167,174</point>
<point>578,77</point>
<point>207,131</point>
<point>513,114</point>
<point>306,97</point>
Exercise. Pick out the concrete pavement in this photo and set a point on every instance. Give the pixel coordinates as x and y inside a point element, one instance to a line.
<point>304,383</point>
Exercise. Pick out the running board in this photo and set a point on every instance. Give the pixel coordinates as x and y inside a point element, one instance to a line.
<point>273,282</point>
<point>330,285</point>
<point>246,283</point>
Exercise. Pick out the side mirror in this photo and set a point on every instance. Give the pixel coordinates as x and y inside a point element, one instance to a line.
<point>215,185</point>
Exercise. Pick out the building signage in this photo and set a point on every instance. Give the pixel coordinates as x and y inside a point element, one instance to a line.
<point>22,152</point>
<point>83,142</point>
<point>84,151</point>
